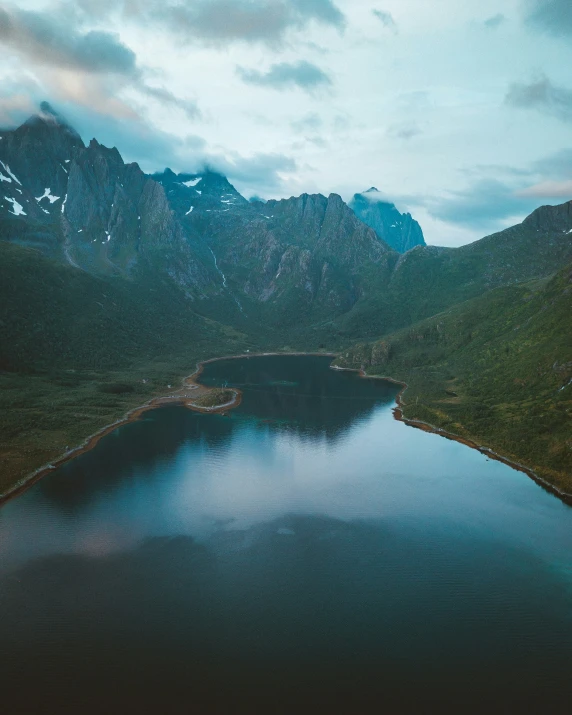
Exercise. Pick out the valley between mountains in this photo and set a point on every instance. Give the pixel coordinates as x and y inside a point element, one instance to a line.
<point>115,283</point>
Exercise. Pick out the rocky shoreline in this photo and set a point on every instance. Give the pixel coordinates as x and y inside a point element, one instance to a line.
<point>487,451</point>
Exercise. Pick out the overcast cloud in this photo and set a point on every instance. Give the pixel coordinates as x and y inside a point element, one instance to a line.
<point>283,75</point>
<point>542,95</point>
<point>459,112</point>
<point>552,16</point>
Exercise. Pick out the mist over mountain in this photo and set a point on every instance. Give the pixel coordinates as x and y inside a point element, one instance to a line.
<point>400,231</point>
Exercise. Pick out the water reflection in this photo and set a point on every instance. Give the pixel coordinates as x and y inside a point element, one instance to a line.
<point>304,549</point>
<point>308,399</point>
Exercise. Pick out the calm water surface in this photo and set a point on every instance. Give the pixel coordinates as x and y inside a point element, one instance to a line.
<point>305,553</point>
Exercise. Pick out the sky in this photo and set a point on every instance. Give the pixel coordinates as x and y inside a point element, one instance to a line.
<point>458,112</point>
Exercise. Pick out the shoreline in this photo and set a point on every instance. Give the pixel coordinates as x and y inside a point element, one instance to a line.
<point>190,381</point>
<point>177,398</point>
<point>566,497</point>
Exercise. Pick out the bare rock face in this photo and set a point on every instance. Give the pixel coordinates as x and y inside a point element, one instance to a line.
<point>305,256</point>
<point>87,207</point>
<point>306,261</point>
<point>551,218</point>
<point>309,251</point>
<point>400,231</point>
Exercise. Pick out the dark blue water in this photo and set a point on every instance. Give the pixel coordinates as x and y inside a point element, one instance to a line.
<point>304,554</point>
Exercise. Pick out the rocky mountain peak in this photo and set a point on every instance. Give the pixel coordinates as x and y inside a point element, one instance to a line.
<point>48,119</point>
<point>400,231</point>
<point>551,218</point>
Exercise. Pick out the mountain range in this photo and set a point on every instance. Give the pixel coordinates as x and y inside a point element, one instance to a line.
<point>113,276</point>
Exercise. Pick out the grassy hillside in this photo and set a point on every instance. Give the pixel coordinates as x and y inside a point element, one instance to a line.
<point>497,368</point>
<point>429,279</point>
<point>79,351</point>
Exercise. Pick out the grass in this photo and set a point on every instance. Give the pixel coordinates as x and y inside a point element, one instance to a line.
<point>496,369</point>
<point>215,398</point>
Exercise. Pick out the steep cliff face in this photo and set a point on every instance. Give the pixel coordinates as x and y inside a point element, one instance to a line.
<point>39,152</point>
<point>400,231</point>
<point>88,208</point>
<point>298,259</point>
<point>307,253</point>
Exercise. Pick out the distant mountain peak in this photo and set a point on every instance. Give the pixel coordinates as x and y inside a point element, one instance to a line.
<point>400,231</point>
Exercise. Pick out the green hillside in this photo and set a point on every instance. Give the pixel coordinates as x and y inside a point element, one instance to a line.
<point>429,279</point>
<point>497,369</point>
<point>79,351</point>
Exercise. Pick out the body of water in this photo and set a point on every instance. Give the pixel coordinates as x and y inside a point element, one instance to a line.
<point>305,553</point>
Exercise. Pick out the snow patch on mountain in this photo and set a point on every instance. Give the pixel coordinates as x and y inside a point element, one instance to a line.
<point>47,195</point>
<point>18,209</point>
<point>7,170</point>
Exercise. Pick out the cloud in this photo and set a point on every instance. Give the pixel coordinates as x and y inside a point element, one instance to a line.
<point>543,96</point>
<point>404,130</point>
<point>555,166</point>
<point>386,19</point>
<point>483,205</point>
<point>90,68</point>
<point>153,149</point>
<point>551,16</point>
<point>189,106</point>
<point>493,22</point>
<point>218,22</point>
<point>284,75</point>
<point>310,122</point>
<point>14,108</point>
<point>549,190</point>
<point>259,172</point>
<point>20,96</point>
<point>46,39</point>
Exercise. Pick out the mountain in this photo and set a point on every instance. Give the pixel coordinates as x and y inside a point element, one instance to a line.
<point>429,279</point>
<point>400,231</point>
<point>114,283</point>
<point>250,261</point>
<point>276,258</point>
<point>84,206</point>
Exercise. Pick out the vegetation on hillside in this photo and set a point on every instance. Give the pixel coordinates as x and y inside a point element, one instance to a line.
<point>78,352</point>
<point>497,368</point>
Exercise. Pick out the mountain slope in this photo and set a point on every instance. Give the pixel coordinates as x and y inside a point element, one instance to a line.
<point>497,369</point>
<point>84,206</point>
<point>78,351</point>
<point>400,231</point>
<point>429,279</point>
